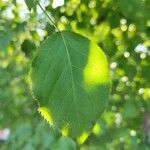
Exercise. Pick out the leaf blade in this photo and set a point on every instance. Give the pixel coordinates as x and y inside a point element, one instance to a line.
<point>61,67</point>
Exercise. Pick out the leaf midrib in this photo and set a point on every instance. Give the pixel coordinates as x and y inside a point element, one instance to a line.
<point>72,78</point>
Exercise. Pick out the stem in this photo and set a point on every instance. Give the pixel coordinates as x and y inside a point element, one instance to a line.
<point>46,14</point>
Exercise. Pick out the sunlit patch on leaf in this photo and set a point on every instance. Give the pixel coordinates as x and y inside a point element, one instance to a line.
<point>65,131</point>
<point>46,114</point>
<point>81,139</point>
<point>96,129</point>
<point>96,71</point>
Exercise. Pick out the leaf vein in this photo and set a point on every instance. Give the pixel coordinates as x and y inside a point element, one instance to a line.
<point>72,80</point>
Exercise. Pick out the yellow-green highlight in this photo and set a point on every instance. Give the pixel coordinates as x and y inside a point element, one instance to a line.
<point>46,114</point>
<point>96,129</point>
<point>81,139</point>
<point>96,70</point>
<point>65,131</point>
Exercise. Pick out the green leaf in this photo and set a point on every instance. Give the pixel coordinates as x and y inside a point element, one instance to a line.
<point>30,4</point>
<point>132,8</point>
<point>28,47</point>
<point>5,39</point>
<point>64,143</point>
<point>70,79</point>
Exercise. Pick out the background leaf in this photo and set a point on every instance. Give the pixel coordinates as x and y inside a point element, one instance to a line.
<point>30,4</point>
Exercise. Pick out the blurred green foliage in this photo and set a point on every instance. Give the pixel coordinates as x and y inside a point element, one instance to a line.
<point>122,30</point>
